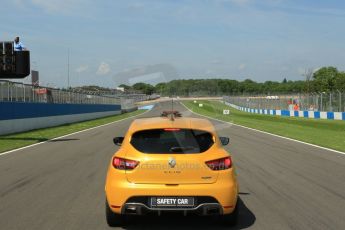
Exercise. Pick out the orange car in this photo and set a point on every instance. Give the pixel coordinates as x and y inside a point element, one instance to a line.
<point>171,163</point>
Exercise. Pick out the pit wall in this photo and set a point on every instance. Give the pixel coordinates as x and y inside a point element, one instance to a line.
<point>20,117</point>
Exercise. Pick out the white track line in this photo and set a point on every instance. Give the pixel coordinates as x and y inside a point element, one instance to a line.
<point>56,138</point>
<point>275,135</point>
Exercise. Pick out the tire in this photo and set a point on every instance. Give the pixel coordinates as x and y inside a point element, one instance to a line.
<point>232,218</point>
<point>113,219</point>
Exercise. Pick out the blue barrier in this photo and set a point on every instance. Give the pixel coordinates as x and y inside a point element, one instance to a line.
<point>18,117</point>
<point>146,107</point>
<point>330,115</point>
<point>317,115</point>
<point>20,110</point>
<point>285,113</point>
<point>288,113</point>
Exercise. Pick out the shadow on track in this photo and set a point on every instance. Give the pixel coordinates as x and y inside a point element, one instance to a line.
<point>64,139</point>
<point>38,139</point>
<point>246,219</point>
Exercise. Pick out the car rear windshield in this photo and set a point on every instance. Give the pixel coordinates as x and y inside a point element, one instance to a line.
<point>172,140</point>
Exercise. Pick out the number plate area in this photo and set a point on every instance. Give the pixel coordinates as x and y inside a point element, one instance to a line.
<point>172,202</point>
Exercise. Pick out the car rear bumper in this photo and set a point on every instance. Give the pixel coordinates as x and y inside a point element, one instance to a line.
<point>201,209</point>
<point>224,192</point>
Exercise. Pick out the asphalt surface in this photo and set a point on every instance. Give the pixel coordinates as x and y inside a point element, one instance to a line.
<point>283,184</point>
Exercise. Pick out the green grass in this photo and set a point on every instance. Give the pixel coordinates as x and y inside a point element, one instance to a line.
<point>326,133</point>
<point>13,141</point>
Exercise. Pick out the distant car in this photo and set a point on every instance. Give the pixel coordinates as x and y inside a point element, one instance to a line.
<point>171,164</point>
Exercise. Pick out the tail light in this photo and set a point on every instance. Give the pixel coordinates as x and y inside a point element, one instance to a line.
<point>172,129</point>
<point>124,164</point>
<point>220,164</point>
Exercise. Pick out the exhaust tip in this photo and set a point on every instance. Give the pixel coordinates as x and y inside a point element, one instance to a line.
<point>213,211</point>
<point>131,209</point>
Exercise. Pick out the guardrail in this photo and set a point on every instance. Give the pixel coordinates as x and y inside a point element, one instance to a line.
<point>325,101</point>
<point>291,113</point>
<point>26,107</point>
<point>19,92</point>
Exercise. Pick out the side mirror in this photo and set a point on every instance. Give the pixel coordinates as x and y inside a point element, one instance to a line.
<point>118,140</point>
<point>224,140</point>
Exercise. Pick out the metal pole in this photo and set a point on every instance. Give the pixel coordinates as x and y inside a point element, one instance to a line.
<point>330,102</point>
<point>8,91</point>
<point>321,103</point>
<point>33,93</point>
<point>308,101</point>
<point>339,110</point>
<point>299,101</point>
<point>23,92</point>
<point>16,87</point>
<point>11,92</point>
<point>68,83</point>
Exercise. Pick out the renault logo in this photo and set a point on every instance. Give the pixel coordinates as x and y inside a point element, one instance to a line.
<point>172,162</point>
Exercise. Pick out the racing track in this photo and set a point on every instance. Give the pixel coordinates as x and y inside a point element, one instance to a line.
<point>283,184</point>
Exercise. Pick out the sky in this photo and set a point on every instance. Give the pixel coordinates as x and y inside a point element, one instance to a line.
<point>111,42</point>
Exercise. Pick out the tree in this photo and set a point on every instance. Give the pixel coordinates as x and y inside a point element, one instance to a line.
<point>143,87</point>
<point>340,81</point>
<point>160,88</point>
<point>126,87</point>
<point>308,74</point>
<point>249,86</point>
<point>324,79</point>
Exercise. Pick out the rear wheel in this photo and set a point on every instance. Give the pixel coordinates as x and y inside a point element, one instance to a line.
<point>113,219</point>
<point>232,218</point>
